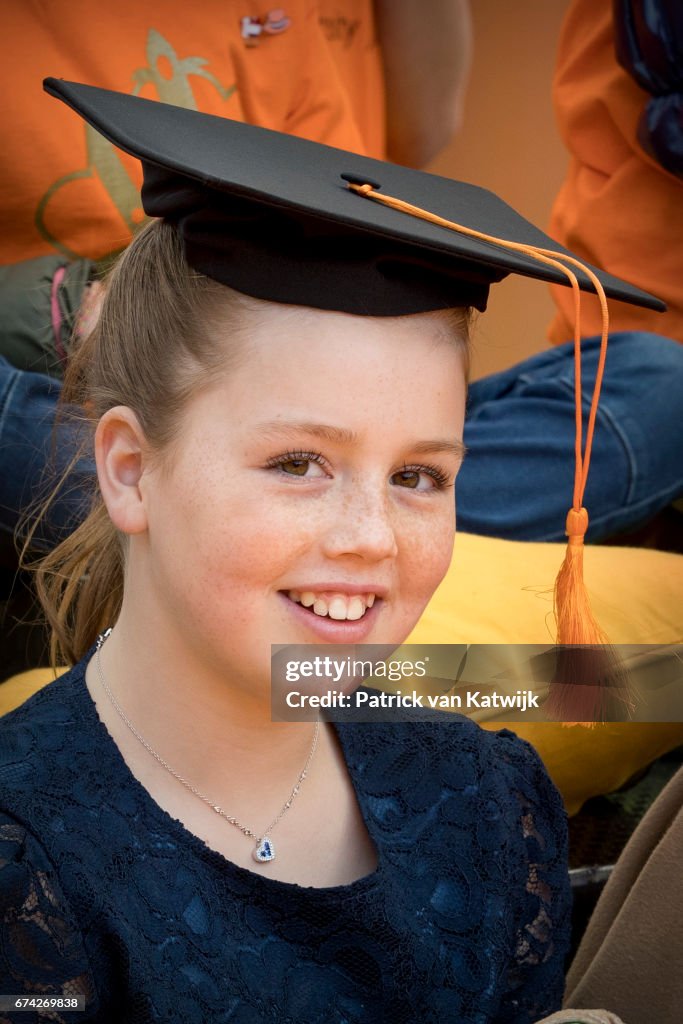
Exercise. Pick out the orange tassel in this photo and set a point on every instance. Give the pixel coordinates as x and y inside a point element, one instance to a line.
<point>589,684</point>
<point>575,621</point>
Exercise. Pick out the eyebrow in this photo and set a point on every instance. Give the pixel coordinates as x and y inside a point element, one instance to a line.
<point>341,435</point>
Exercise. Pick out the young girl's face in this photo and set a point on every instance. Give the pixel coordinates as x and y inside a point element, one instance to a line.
<point>310,496</point>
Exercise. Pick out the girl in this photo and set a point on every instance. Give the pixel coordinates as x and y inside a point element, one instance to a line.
<point>277,386</point>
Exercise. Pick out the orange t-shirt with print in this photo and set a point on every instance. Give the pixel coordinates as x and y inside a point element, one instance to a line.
<point>66,189</point>
<point>618,208</point>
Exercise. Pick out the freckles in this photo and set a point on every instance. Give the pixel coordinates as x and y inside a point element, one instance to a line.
<point>428,552</point>
<point>253,547</point>
<point>293,529</point>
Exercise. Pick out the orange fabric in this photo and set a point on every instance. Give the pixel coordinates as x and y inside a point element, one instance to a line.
<point>618,208</point>
<point>66,189</point>
<point>350,31</point>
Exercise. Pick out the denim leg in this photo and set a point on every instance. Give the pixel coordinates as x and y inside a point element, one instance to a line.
<point>517,479</point>
<point>34,451</point>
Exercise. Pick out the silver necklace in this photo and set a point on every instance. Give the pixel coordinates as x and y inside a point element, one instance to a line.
<point>264,851</point>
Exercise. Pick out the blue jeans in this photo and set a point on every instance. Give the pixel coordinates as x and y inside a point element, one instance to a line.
<point>517,478</point>
<point>35,450</point>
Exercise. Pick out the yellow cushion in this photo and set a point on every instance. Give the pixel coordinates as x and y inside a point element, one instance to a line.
<point>588,762</point>
<point>499,591</point>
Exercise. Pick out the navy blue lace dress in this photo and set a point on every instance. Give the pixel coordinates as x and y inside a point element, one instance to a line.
<point>465,919</point>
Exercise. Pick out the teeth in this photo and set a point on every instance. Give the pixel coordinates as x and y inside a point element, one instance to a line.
<point>339,607</point>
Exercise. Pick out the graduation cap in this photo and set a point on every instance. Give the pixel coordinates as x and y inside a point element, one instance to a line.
<point>273,216</point>
<point>293,221</point>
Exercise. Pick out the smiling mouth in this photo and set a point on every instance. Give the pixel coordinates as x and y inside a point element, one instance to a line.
<point>340,607</point>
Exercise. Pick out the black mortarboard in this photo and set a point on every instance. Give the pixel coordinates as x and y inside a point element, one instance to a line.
<point>272,215</point>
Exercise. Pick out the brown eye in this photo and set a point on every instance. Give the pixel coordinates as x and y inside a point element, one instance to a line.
<point>407,478</point>
<point>308,464</point>
<point>295,467</point>
<point>421,478</point>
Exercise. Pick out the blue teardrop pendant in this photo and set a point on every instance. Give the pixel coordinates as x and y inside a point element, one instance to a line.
<point>264,851</point>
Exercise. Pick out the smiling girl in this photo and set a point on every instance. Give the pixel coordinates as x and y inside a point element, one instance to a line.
<point>277,389</point>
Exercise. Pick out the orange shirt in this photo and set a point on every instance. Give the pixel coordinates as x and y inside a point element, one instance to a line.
<point>618,207</point>
<point>64,188</point>
<point>350,30</point>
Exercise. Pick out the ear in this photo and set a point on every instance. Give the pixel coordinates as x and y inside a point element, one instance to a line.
<point>120,451</point>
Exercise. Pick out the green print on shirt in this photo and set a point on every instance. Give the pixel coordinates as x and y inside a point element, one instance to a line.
<point>102,157</point>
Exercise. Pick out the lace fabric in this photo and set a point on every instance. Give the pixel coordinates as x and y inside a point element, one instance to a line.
<point>465,919</point>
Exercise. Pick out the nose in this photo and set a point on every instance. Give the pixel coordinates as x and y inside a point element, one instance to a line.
<point>363,525</point>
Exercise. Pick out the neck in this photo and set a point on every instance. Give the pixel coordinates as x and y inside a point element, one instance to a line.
<point>208,727</point>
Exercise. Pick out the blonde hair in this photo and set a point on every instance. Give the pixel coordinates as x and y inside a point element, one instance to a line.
<point>153,347</point>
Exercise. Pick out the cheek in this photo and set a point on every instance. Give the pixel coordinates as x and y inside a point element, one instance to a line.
<point>244,545</point>
<point>426,555</point>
